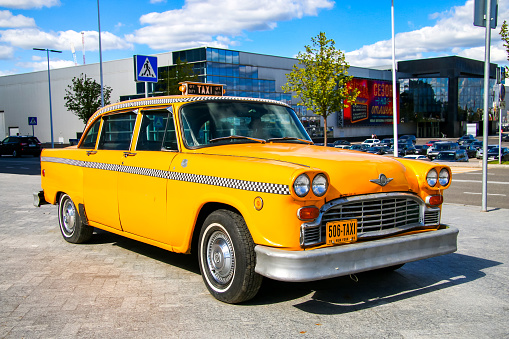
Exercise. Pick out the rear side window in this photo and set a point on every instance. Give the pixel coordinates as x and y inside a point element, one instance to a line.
<point>91,137</point>
<point>117,131</point>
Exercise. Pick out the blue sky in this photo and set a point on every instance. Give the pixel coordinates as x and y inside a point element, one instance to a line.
<point>361,29</point>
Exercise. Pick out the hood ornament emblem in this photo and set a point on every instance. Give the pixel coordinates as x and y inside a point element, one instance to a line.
<point>382,180</point>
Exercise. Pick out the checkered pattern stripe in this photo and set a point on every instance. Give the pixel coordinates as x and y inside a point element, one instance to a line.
<point>245,185</point>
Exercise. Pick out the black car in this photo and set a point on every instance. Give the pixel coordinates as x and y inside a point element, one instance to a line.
<point>404,148</point>
<point>471,151</point>
<point>493,152</point>
<point>376,149</point>
<point>387,142</point>
<point>422,149</point>
<point>408,137</point>
<point>465,139</point>
<point>20,145</point>
<point>505,137</point>
<point>452,155</point>
<point>440,147</point>
<point>339,143</point>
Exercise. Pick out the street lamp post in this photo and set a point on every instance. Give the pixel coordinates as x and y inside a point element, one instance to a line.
<point>49,86</point>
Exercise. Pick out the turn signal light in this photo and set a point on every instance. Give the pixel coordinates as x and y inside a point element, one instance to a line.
<point>434,200</point>
<point>308,213</point>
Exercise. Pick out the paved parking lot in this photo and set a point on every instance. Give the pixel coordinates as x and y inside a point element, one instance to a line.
<point>115,287</point>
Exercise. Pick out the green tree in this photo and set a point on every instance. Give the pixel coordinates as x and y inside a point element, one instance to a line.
<point>320,79</point>
<point>83,97</point>
<point>504,34</point>
<point>172,76</point>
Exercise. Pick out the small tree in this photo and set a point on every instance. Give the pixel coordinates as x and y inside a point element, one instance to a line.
<point>320,79</point>
<point>83,97</point>
<point>171,77</point>
<point>504,34</point>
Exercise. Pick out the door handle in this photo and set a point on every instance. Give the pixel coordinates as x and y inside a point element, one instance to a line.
<point>91,152</point>
<point>129,154</point>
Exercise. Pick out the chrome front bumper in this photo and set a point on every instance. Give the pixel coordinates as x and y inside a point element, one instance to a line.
<point>329,262</point>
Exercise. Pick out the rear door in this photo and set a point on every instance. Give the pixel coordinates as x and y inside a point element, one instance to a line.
<point>100,175</point>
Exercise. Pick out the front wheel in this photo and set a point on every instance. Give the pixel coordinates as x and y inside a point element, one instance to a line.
<point>72,228</point>
<point>227,258</point>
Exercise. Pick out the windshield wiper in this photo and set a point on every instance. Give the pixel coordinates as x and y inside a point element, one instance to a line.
<point>231,137</point>
<point>290,139</point>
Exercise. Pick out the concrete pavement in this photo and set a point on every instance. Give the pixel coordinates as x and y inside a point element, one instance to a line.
<point>115,287</point>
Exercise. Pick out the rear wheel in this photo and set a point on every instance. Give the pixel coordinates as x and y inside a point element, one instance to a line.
<point>15,154</point>
<point>227,258</point>
<point>72,228</point>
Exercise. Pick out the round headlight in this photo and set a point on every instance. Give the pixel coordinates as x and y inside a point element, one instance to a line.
<point>432,177</point>
<point>444,177</point>
<point>320,185</point>
<point>301,185</point>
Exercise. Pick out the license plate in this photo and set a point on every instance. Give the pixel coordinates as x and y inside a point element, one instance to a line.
<point>341,232</point>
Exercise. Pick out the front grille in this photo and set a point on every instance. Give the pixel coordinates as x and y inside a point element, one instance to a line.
<point>377,215</point>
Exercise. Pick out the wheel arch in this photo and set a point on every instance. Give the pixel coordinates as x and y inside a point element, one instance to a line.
<point>205,211</point>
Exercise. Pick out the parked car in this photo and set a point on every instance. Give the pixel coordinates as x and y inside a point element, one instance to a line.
<point>505,137</point>
<point>441,146</point>
<point>341,143</point>
<point>404,148</point>
<point>494,152</point>
<point>387,142</point>
<point>431,142</point>
<point>239,181</point>
<point>408,137</point>
<point>416,157</point>
<point>480,151</point>
<point>476,145</point>
<point>20,145</point>
<point>371,141</point>
<point>421,149</point>
<point>376,149</point>
<point>471,151</point>
<point>457,155</point>
<point>467,138</point>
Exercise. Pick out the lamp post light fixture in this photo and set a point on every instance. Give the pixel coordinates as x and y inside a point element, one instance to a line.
<point>49,86</point>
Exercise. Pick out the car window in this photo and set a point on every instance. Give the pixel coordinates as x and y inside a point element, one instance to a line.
<point>91,137</point>
<point>117,131</point>
<point>153,126</point>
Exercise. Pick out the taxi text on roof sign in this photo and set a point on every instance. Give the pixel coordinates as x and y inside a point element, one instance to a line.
<point>201,88</point>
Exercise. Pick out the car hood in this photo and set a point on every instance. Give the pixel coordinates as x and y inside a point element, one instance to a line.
<point>350,172</point>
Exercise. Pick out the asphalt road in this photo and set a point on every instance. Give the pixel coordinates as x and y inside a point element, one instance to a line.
<point>466,187</point>
<point>114,287</point>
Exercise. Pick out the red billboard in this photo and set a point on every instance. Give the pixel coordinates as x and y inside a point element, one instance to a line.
<point>373,106</point>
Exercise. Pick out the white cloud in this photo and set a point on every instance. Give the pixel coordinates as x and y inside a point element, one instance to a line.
<point>157,1</point>
<point>218,22</point>
<point>453,34</point>
<point>8,20</point>
<point>43,65</point>
<point>32,37</point>
<point>6,52</point>
<point>27,4</point>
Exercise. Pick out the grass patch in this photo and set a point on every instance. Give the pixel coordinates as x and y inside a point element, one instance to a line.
<point>496,162</point>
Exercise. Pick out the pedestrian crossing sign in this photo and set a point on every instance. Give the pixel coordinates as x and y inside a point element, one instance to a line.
<point>32,121</point>
<point>145,68</point>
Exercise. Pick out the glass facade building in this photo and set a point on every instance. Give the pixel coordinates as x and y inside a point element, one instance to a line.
<point>220,66</point>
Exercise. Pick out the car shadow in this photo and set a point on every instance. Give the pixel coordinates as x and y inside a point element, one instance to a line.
<point>24,165</point>
<point>375,288</point>
<point>183,261</point>
<point>338,295</point>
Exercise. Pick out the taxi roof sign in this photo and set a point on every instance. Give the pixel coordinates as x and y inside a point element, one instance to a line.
<point>199,88</point>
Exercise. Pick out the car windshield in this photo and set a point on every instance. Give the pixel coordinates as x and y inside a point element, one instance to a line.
<point>445,147</point>
<point>446,156</point>
<point>207,123</point>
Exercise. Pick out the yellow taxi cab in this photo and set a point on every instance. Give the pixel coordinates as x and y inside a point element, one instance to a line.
<point>239,181</point>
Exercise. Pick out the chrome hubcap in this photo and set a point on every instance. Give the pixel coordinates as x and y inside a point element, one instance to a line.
<point>68,217</point>
<point>220,257</point>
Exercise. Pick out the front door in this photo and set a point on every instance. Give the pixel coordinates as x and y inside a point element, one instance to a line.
<point>142,183</point>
